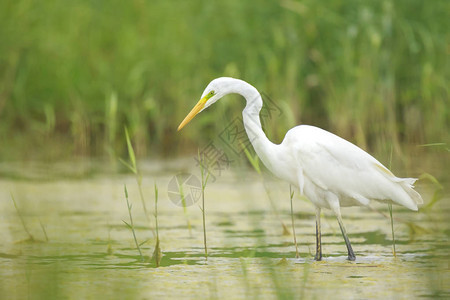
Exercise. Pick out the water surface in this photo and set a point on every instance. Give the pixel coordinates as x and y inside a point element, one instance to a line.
<point>82,248</point>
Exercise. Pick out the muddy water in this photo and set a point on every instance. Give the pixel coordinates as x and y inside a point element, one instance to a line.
<point>82,249</point>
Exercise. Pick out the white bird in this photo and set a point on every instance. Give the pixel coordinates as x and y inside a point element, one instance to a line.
<point>330,171</point>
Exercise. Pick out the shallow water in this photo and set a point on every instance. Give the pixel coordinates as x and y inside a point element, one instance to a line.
<point>90,252</point>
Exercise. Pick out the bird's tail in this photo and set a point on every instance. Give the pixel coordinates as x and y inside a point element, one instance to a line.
<point>405,195</point>
<point>407,185</point>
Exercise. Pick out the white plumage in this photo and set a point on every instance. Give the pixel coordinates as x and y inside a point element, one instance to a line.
<point>328,170</point>
<point>330,163</point>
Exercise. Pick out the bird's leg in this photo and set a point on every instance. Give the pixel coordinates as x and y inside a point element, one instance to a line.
<point>351,255</point>
<point>318,236</point>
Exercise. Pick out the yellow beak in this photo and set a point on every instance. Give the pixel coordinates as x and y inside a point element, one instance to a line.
<point>197,108</point>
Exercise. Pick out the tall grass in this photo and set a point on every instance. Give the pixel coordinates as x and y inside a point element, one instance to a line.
<point>391,213</point>
<point>157,254</point>
<point>19,213</point>
<point>291,197</point>
<point>369,71</point>
<point>132,166</point>
<point>130,224</point>
<point>30,238</point>
<point>392,229</point>
<point>205,176</point>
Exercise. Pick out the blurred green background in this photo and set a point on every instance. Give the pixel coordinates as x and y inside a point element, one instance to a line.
<point>74,73</point>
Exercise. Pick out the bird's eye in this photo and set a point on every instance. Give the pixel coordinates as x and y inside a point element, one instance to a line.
<point>211,93</point>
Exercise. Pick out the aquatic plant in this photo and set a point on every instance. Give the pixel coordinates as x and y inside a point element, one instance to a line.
<point>131,224</point>
<point>111,112</point>
<point>205,176</point>
<point>291,196</point>
<point>390,212</point>
<point>43,230</point>
<point>109,249</point>
<point>157,254</point>
<point>30,237</point>
<point>392,229</point>
<point>132,166</point>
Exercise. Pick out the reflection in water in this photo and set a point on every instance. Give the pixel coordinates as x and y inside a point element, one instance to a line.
<point>90,252</point>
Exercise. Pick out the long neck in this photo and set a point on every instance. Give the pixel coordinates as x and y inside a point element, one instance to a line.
<point>252,123</point>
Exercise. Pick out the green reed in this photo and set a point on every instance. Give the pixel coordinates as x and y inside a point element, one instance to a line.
<point>19,213</point>
<point>130,225</point>
<point>390,213</point>
<point>157,253</point>
<point>205,176</point>
<point>291,196</point>
<point>44,230</point>
<point>132,166</point>
<point>369,71</point>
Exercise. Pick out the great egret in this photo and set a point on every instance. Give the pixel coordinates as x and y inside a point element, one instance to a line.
<point>330,171</point>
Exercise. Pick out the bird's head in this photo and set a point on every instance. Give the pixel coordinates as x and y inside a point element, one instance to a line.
<point>215,90</point>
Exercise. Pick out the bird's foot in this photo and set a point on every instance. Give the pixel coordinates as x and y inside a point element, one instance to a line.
<point>351,257</point>
<point>318,257</point>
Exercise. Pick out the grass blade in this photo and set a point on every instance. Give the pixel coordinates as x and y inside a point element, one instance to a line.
<point>291,196</point>
<point>131,154</point>
<point>133,168</point>
<point>392,229</point>
<point>30,237</point>
<point>391,215</point>
<point>131,225</point>
<point>157,253</point>
<point>204,181</point>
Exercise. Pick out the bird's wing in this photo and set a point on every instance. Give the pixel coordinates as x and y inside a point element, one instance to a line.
<point>337,165</point>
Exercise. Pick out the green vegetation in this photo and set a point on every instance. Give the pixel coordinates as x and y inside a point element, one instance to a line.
<point>72,73</point>
<point>132,166</point>
<point>394,252</point>
<point>291,197</point>
<point>205,176</point>
<point>131,224</point>
<point>157,253</point>
<point>30,237</point>
<point>392,229</point>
